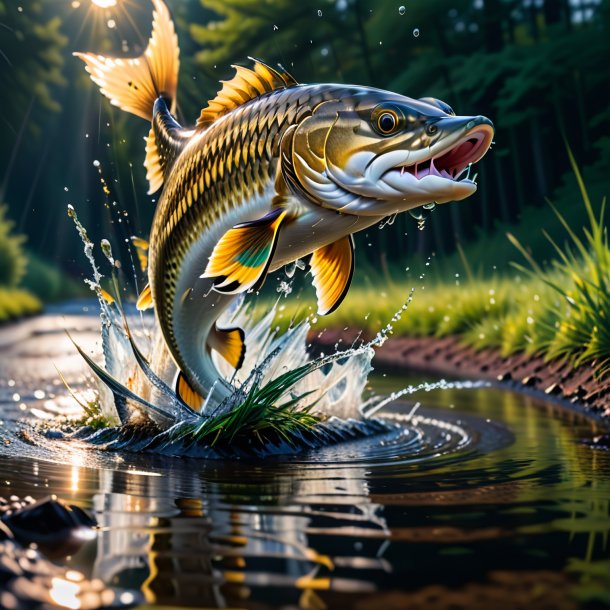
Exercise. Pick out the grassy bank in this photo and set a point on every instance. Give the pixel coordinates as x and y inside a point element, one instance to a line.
<point>561,310</point>
<point>15,303</point>
<point>14,300</point>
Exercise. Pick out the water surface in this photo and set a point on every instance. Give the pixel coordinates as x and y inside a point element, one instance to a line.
<point>490,500</point>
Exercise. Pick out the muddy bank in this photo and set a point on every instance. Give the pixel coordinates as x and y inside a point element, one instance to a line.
<point>555,380</point>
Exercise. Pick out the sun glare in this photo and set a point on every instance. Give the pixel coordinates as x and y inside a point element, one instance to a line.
<point>104,3</point>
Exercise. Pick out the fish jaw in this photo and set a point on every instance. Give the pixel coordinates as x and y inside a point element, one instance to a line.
<point>440,174</point>
<point>338,158</point>
<point>401,180</point>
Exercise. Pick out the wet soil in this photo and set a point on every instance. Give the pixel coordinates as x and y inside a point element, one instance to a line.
<point>557,380</point>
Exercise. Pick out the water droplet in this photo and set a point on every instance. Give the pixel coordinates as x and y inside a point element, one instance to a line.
<point>319,13</point>
<point>275,28</point>
<point>402,10</point>
<point>429,206</point>
<point>284,288</point>
<point>107,250</point>
<point>290,269</point>
<point>96,163</point>
<point>416,32</point>
<point>111,24</point>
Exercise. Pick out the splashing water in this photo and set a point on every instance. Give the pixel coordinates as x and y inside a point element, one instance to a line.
<point>322,396</point>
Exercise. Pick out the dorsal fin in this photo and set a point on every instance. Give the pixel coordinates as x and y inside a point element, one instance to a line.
<point>246,85</point>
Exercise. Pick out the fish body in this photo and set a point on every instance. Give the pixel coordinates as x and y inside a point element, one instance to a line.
<point>273,171</point>
<point>213,187</point>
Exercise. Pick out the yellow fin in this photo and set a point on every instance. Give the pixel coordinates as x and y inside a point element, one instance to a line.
<point>229,343</point>
<point>133,84</point>
<point>141,246</point>
<point>152,163</point>
<point>140,243</point>
<point>107,296</point>
<point>241,258</point>
<point>192,398</point>
<point>332,268</point>
<point>145,299</point>
<point>246,85</point>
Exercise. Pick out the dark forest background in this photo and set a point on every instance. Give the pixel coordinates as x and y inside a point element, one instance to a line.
<point>540,69</point>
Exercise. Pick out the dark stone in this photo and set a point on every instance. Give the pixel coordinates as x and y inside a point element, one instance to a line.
<point>50,523</point>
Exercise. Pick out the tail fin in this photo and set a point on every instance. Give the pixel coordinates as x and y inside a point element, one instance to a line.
<point>133,84</point>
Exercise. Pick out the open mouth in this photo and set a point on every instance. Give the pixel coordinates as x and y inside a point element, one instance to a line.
<point>452,163</point>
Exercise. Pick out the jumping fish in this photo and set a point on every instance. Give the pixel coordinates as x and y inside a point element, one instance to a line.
<point>272,172</point>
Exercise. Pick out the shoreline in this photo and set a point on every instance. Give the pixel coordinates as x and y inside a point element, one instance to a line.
<point>557,382</point>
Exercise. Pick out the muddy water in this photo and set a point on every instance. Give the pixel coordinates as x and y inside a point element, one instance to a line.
<point>485,499</point>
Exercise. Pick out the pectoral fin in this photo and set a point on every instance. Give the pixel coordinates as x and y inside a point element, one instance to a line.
<point>332,268</point>
<point>191,397</point>
<point>145,299</point>
<point>229,343</point>
<point>242,257</point>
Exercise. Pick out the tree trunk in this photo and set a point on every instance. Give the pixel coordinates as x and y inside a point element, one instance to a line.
<point>540,174</point>
<point>492,24</point>
<point>517,174</point>
<point>366,56</point>
<point>506,216</point>
<point>552,11</point>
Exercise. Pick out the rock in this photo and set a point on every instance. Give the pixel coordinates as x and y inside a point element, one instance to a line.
<point>56,527</point>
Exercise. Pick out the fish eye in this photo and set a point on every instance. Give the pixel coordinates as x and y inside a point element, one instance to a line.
<point>387,121</point>
<point>431,129</point>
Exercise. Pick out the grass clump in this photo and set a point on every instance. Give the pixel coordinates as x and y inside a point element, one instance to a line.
<point>15,303</point>
<point>13,261</point>
<point>267,414</point>
<point>582,279</point>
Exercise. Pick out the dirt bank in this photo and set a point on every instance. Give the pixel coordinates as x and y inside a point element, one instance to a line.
<point>557,380</point>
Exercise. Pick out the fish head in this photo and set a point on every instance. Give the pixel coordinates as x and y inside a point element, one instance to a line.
<point>376,153</point>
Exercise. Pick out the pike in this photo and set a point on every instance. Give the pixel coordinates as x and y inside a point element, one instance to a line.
<point>273,171</point>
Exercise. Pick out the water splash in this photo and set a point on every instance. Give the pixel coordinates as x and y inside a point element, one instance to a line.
<point>326,392</point>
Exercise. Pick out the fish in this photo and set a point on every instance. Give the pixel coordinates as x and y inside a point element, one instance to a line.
<point>272,171</point>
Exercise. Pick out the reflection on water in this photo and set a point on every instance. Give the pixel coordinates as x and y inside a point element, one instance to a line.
<point>518,515</point>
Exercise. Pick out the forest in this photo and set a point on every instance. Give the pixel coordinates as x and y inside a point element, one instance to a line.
<point>538,68</point>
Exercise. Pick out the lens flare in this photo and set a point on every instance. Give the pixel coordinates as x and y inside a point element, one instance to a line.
<point>65,593</point>
<point>104,3</point>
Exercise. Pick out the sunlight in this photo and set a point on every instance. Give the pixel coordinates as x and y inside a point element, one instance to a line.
<point>65,593</point>
<point>104,3</point>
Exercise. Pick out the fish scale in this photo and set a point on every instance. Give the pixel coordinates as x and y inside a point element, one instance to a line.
<point>266,119</point>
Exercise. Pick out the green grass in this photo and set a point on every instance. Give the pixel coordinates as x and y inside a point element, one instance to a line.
<point>15,303</point>
<point>13,261</point>
<point>265,414</point>
<point>559,311</point>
